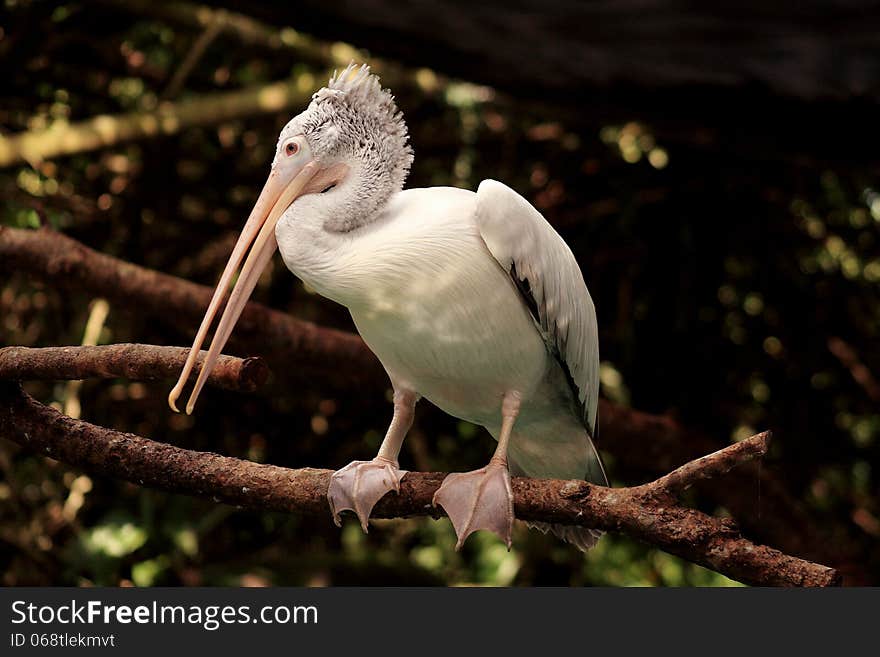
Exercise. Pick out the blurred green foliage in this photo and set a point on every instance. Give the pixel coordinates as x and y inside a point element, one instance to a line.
<point>735,292</point>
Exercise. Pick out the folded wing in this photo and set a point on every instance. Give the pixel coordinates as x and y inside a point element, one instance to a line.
<point>544,269</point>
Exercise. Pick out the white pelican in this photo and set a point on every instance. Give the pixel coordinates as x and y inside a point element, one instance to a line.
<point>470,300</point>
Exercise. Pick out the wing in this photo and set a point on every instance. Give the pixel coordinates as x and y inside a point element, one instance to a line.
<point>547,274</point>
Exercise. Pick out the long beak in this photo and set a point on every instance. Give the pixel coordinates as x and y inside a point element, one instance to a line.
<point>259,229</point>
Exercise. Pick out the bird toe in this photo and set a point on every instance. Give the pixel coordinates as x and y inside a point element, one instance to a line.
<point>359,486</point>
<point>482,499</point>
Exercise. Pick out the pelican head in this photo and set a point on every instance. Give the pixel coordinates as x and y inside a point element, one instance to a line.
<point>350,146</point>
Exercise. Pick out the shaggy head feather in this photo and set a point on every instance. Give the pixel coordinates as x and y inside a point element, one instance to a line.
<point>354,120</point>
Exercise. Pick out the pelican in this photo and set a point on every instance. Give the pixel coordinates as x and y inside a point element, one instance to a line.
<point>469,299</point>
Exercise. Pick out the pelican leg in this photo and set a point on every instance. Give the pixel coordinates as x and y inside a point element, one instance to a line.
<point>483,499</point>
<point>359,485</point>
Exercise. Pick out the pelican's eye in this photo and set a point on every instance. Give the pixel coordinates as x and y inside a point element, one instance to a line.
<point>291,148</point>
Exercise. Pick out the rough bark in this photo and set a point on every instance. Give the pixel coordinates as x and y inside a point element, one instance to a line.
<point>640,441</point>
<point>648,513</point>
<point>64,262</point>
<point>140,362</point>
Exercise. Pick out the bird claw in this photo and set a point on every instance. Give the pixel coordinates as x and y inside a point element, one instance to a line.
<point>359,485</point>
<point>482,499</point>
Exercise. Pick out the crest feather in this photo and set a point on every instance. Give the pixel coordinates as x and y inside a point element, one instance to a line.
<point>355,79</point>
<point>361,89</point>
<point>355,118</point>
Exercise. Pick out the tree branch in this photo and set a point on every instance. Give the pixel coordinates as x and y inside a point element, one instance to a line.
<point>648,513</point>
<point>713,465</point>
<point>759,500</point>
<point>860,373</point>
<point>650,443</point>
<point>34,146</point>
<point>611,68</point>
<point>141,362</point>
<point>250,32</point>
<point>213,28</point>
<point>66,263</point>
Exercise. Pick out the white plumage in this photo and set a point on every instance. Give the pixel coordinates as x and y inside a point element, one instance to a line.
<point>470,300</point>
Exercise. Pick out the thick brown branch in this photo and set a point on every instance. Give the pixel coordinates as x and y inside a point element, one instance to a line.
<point>141,362</point>
<point>66,263</point>
<point>641,441</point>
<point>647,513</point>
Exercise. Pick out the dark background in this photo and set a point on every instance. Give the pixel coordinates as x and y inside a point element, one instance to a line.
<point>715,173</point>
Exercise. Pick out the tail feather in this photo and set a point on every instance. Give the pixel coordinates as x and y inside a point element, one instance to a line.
<point>555,461</point>
<point>583,538</point>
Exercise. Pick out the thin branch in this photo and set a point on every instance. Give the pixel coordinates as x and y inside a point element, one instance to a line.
<point>755,496</point>
<point>169,118</point>
<point>641,441</point>
<point>647,513</point>
<point>198,48</point>
<point>713,465</point>
<point>860,373</point>
<point>98,311</point>
<point>141,362</point>
<point>249,31</point>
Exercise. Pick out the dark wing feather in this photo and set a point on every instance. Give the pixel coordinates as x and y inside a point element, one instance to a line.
<point>547,275</point>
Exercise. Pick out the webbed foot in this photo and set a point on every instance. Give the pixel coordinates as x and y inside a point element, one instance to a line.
<point>482,499</point>
<point>359,485</point>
